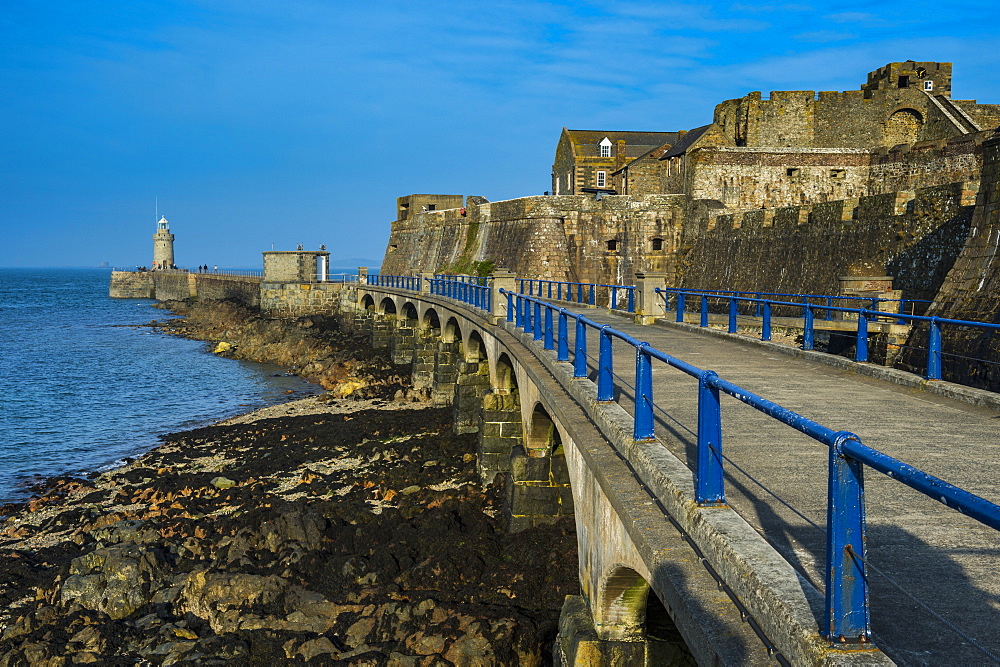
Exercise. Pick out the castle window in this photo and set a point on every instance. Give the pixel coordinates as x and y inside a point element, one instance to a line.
<point>612,245</point>
<point>904,82</point>
<point>657,244</point>
<point>431,207</point>
<point>838,173</point>
<point>605,147</point>
<point>793,171</point>
<point>602,179</point>
<point>928,85</point>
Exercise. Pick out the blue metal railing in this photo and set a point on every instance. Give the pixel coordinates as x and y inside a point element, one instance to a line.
<point>617,297</point>
<point>475,291</point>
<point>846,621</point>
<point>399,282</point>
<point>822,302</point>
<point>864,317</point>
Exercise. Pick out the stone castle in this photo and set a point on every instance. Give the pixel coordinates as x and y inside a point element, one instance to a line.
<point>788,193</point>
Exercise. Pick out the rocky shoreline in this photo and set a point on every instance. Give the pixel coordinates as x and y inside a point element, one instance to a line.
<point>326,530</point>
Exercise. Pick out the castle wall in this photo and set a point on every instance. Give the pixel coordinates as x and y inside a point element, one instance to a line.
<point>743,178</point>
<point>913,237</point>
<point>569,237</point>
<point>925,164</point>
<point>971,291</point>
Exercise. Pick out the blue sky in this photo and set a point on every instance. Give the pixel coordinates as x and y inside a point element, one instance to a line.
<point>257,122</point>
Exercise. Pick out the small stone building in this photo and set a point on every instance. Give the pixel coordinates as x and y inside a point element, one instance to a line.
<point>587,158</point>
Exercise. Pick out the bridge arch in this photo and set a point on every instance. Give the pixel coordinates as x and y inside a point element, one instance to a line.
<point>387,306</point>
<point>410,313</point>
<point>368,303</point>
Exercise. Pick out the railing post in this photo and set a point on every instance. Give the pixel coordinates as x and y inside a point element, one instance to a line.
<point>861,344</point>
<point>526,321</point>
<point>605,368</point>
<point>580,350</point>
<point>614,298</point>
<point>934,350</point>
<point>829,313</point>
<point>847,622</point>
<point>704,310</point>
<point>537,329</point>
<point>549,338</point>
<point>710,488</point>
<point>807,327</point>
<point>510,307</point>
<point>680,306</point>
<point>765,325</point>
<point>631,300</point>
<point>562,338</point>
<point>733,306</point>
<point>642,427</point>
<point>591,300</point>
<point>646,305</point>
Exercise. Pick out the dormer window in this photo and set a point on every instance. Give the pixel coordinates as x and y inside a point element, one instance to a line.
<point>605,146</point>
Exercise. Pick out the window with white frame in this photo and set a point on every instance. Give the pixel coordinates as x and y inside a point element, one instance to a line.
<point>928,85</point>
<point>602,179</point>
<point>605,146</point>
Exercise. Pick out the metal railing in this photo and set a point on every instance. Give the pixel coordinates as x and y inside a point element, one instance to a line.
<point>400,282</point>
<point>821,302</point>
<point>616,297</point>
<point>865,316</point>
<point>475,291</point>
<point>846,622</point>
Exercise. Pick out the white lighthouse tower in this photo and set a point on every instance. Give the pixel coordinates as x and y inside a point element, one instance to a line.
<point>163,245</point>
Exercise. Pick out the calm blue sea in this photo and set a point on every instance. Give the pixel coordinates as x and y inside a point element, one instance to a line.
<point>80,392</point>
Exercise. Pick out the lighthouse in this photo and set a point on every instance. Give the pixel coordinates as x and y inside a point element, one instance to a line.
<point>163,245</point>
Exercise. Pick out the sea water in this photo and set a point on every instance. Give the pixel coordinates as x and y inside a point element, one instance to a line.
<point>81,390</point>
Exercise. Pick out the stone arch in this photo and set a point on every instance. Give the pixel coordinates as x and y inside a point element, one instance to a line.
<point>368,303</point>
<point>622,602</point>
<point>504,377</point>
<point>903,127</point>
<point>431,320</point>
<point>542,434</point>
<point>387,306</point>
<point>409,313</point>
<point>452,331</point>
<point>475,347</point>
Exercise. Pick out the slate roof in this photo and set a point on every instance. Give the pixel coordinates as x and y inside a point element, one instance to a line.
<point>686,141</point>
<point>585,142</point>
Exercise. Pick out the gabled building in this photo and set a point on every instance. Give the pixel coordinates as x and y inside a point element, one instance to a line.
<point>587,158</point>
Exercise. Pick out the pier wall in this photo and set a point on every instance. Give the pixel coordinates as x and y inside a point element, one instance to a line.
<point>179,285</point>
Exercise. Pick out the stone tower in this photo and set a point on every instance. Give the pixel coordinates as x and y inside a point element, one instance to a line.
<point>163,245</point>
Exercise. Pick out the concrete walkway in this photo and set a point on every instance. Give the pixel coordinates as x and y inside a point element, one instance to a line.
<point>944,559</point>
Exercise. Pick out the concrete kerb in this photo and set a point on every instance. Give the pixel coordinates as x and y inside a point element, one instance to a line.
<point>785,605</point>
<point>971,395</point>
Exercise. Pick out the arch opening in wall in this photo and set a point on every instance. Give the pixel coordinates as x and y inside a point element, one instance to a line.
<point>612,245</point>
<point>410,313</point>
<point>656,244</point>
<point>903,127</point>
<point>387,307</point>
<point>431,320</point>
<point>452,332</point>
<point>368,303</point>
<point>505,380</point>
<point>623,599</point>
<point>543,436</point>
<point>475,348</point>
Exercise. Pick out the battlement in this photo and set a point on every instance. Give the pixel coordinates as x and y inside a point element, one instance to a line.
<point>931,77</point>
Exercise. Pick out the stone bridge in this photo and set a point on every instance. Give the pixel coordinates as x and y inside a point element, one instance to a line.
<point>655,567</point>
